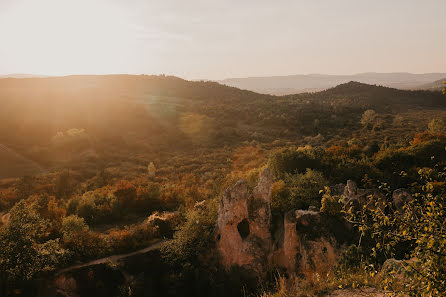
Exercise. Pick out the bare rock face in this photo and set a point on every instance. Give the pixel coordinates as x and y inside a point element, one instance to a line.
<point>301,242</point>
<point>307,246</point>
<point>351,189</point>
<point>363,196</point>
<point>358,197</point>
<point>244,237</point>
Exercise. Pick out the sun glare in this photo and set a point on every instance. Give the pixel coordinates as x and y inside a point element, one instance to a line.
<point>68,36</point>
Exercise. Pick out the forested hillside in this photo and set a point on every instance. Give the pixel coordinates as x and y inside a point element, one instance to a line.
<point>106,165</point>
<point>87,121</point>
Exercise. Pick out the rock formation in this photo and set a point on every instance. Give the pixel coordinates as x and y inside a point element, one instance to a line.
<point>245,235</point>
<point>358,197</point>
<point>363,196</point>
<point>301,242</point>
<point>307,246</point>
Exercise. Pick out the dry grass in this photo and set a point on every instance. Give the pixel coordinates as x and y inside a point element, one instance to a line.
<point>358,283</point>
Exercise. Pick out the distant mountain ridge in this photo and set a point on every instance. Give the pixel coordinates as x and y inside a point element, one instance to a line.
<point>291,84</point>
<point>22,75</point>
<point>433,86</point>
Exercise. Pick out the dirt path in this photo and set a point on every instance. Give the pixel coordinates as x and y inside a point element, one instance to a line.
<point>114,258</point>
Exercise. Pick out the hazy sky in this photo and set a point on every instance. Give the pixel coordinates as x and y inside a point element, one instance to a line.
<point>219,39</point>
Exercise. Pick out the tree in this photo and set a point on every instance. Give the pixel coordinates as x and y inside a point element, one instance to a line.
<point>64,185</point>
<point>368,118</point>
<point>195,238</point>
<point>78,239</point>
<point>26,251</point>
<point>25,186</point>
<point>437,126</point>
<point>291,160</point>
<point>418,226</point>
<point>151,170</point>
<point>330,204</point>
<point>298,191</point>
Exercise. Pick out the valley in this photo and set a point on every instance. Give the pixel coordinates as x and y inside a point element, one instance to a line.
<point>126,171</point>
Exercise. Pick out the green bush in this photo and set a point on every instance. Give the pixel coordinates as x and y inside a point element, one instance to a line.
<point>392,159</point>
<point>418,228</point>
<point>79,240</point>
<point>330,205</point>
<point>26,251</point>
<point>291,160</point>
<point>298,191</point>
<point>99,206</point>
<point>195,238</point>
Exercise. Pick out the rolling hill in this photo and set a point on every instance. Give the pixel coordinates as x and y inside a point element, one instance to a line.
<point>433,86</point>
<point>282,85</point>
<point>90,122</point>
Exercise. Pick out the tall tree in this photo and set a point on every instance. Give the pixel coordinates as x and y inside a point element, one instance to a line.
<point>26,251</point>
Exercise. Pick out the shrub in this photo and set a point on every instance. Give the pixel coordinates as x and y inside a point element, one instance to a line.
<point>368,118</point>
<point>295,160</point>
<point>437,126</point>
<point>151,170</point>
<point>131,237</point>
<point>351,258</point>
<point>419,228</point>
<point>125,192</point>
<point>394,160</point>
<point>298,191</point>
<point>195,238</point>
<point>427,153</point>
<point>79,240</point>
<point>330,204</point>
<point>279,197</point>
<point>99,206</point>
<point>148,198</point>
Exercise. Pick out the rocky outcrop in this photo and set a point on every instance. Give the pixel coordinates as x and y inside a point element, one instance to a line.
<point>307,247</point>
<point>244,218</point>
<point>353,195</point>
<point>299,242</point>
<point>356,196</point>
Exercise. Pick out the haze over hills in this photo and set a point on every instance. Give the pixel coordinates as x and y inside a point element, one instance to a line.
<point>22,75</point>
<point>15,165</point>
<point>292,84</point>
<point>147,113</point>
<point>433,86</point>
